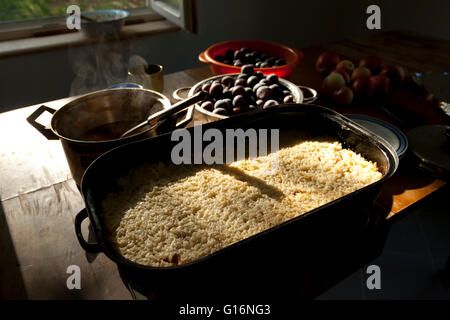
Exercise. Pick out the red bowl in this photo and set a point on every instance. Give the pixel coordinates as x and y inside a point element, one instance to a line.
<point>291,56</point>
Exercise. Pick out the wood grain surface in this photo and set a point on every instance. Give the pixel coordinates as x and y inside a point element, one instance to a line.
<point>39,199</point>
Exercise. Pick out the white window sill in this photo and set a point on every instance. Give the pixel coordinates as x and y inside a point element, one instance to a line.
<point>35,44</point>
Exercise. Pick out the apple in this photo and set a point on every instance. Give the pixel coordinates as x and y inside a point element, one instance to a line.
<point>363,87</point>
<point>360,72</point>
<point>333,82</point>
<point>381,84</point>
<point>326,62</point>
<point>345,65</point>
<point>343,96</point>
<point>373,63</point>
<point>344,73</point>
<point>395,73</point>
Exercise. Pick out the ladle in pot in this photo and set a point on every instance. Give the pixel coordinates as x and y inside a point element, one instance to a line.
<point>157,118</point>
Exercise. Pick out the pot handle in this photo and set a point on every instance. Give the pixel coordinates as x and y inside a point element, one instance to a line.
<point>176,93</point>
<point>311,91</point>
<point>187,119</point>
<point>48,133</point>
<point>190,110</point>
<point>202,57</point>
<point>89,247</point>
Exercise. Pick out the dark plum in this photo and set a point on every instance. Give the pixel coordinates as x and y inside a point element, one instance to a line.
<point>264,92</point>
<point>227,81</point>
<point>272,78</point>
<point>230,54</point>
<point>245,55</point>
<point>242,76</point>
<point>248,69</point>
<point>238,90</point>
<point>216,90</point>
<point>227,93</point>
<point>237,63</point>
<point>223,104</point>
<point>288,99</point>
<point>259,74</point>
<point>280,62</point>
<point>239,101</point>
<point>276,89</point>
<point>239,55</point>
<point>271,60</point>
<point>208,105</point>
<point>256,86</point>
<point>252,81</point>
<point>249,92</point>
<point>221,111</point>
<point>270,104</point>
<point>206,87</point>
<point>240,82</point>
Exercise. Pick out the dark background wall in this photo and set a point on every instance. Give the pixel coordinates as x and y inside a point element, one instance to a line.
<point>34,78</point>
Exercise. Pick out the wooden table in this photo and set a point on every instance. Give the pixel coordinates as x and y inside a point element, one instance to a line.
<point>40,200</point>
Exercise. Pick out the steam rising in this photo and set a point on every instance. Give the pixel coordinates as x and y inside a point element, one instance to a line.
<point>100,65</point>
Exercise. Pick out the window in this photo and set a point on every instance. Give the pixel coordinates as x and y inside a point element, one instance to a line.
<point>18,10</point>
<point>28,18</point>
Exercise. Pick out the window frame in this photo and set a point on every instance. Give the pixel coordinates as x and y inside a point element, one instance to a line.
<point>13,30</point>
<point>184,18</point>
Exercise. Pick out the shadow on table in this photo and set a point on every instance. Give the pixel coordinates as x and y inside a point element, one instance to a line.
<point>11,281</point>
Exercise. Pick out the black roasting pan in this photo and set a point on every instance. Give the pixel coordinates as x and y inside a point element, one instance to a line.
<point>294,251</point>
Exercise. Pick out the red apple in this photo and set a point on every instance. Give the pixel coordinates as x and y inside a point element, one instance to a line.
<point>373,63</point>
<point>344,73</point>
<point>361,72</point>
<point>326,62</point>
<point>343,96</point>
<point>345,65</point>
<point>381,84</point>
<point>363,87</point>
<point>333,82</point>
<point>395,73</point>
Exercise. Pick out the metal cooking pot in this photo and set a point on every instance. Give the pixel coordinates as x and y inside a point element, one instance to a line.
<point>93,123</point>
<point>298,92</point>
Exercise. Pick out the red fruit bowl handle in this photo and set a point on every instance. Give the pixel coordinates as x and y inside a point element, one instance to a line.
<point>202,57</point>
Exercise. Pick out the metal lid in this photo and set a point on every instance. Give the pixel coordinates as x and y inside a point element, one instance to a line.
<point>431,146</point>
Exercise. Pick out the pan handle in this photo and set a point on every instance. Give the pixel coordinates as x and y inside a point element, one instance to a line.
<point>312,93</point>
<point>89,247</point>
<point>48,133</point>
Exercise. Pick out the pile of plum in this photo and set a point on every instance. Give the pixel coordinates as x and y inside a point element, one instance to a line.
<point>244,55</point>
<point>248,91</point>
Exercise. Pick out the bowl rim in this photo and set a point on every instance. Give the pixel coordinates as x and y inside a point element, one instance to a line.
<point>124,14</point>
<point>294,53</point>
<point>197,106</point>
<point>92,95</point>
